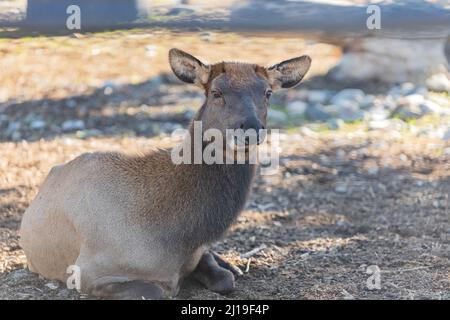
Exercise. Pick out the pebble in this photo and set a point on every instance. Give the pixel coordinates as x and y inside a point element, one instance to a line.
<point>341,188</point>
<point>355,95</point>
<point>52,285</point>
<point>373,171</point>
<point>317,112</point>
<point>379,124</point>
<point>70,103</point>
<point>335,124</point>
<point>151,50</point>
<point>351,113</point>
<point>317,96</point>
<point>430,107</point>
<point>276,117</point>
<point>403,89</point>
<point>70,125</point>
<point>296,108</point>
<point>37,124</point>
<point>19,274</point>
<point>367,102</point>
<point>446,136</point>
<point>438,82</point>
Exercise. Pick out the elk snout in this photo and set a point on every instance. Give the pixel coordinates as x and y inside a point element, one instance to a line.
<point>250,131</point>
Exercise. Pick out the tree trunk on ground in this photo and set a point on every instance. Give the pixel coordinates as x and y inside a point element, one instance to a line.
<point>51,15</point>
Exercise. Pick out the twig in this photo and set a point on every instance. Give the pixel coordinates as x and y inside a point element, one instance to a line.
<point>406,270</point>
<point>247,268</point>
<point>253,252</point>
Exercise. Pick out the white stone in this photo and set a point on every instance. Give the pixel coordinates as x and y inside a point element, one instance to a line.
<point>37,124</point>
<point>341,188</point>
<point>356,95</point>
<point>415,99</point>
<point>438,82</point>
<point>379,124</point>
<point>373,171</point>
<point>430,107</point>
<point>296,108</point>
<point>317,96</point>
<point>391,60</point>
<point>276,117</point>
<point>446,136</point>
<point>70,125</point>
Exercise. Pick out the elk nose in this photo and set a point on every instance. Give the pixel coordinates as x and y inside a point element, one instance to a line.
<point>251,123</point>
<point>252,126</point>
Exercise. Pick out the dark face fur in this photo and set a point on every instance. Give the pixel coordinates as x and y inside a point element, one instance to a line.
<point>237,94</point>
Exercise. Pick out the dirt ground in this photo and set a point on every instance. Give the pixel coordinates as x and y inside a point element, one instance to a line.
<point>340,202</point>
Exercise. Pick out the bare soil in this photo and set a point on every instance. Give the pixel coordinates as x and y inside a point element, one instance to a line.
<point>340,202</point>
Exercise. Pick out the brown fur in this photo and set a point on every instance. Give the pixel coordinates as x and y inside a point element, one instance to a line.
<point>138,225</point>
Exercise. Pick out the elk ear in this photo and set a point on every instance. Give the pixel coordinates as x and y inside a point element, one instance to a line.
<point>188,68</point>
<point>288,73</point>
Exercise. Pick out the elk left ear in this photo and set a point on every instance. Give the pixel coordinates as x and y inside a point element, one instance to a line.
<point>288,73</point>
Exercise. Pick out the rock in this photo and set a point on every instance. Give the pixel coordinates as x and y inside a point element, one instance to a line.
<point>16,135</point>
<point>409,107</point>
<point>403,89</point>
<point>301,94</point>
<point>351,113</point>
<point>430,107</point>
<point>179,11</point>
<point>308,132</point>
<point>373,171</point>
<point>151,50</point>
<point>421,90</point>
<point>13,127</point>
<point>388,103</point>
<point>82,134</point>
<point>367,102</point>
<point>340,155</point>
<point>379,124</point>
<point>296,108</point>
<point>378,113</point>
<point>169,127</point>
<point>411,99</point>
<point>70,125</point>
<point>355,95</point>
<point>335,124</point>
<point>446,136</point>
<point>108,91</point>
<point>189,114</point>
<point>37,124</point>
<point>71,103</point>
<point>438,82</point>
<point>52,285</point>
<point>317,96</point>
<point>276,118</point>
<point>408,59</point>
<point>317,112</point>
<point>341,188</point>
<point>206,36</point>
<point>440,100</point>
<point>109,87</point>
<point>19,274</point>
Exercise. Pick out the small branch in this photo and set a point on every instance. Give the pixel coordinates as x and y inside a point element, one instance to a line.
<point>247,267</point>
<point>251,253</point>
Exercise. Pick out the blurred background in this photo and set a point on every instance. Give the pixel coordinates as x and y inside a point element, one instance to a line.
<point>364,169</point>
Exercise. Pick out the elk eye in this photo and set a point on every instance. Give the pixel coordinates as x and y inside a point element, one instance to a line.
<point>268,93</point>
<point>216,94</point>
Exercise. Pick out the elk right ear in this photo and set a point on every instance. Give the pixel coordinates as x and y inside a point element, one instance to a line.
<point>288,73</point>
<point>188,68</point>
